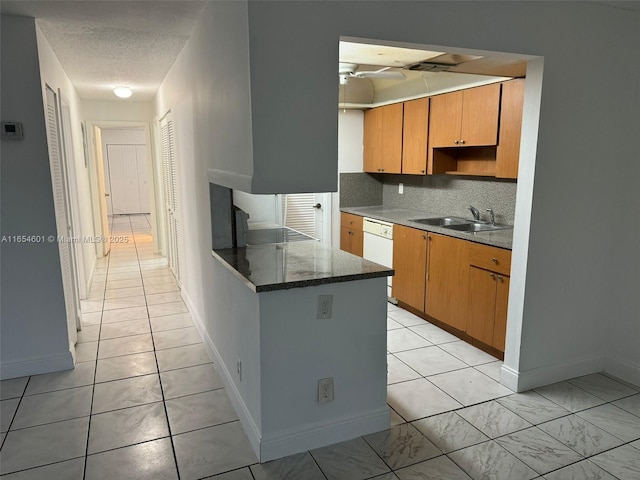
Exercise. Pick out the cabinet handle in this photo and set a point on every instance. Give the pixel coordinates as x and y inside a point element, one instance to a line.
<point>382,169</point>
<point>456,142</point>
<point>499,278</point>
<point>492,275</point>
<point>494,260</point>
<point>421,171</point>
<point>424,237</point>
<point>461,142</point>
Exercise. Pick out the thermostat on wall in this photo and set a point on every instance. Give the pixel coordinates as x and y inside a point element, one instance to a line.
<point>12,131</point>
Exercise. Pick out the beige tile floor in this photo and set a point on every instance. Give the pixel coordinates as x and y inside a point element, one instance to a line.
<point>145,401</point>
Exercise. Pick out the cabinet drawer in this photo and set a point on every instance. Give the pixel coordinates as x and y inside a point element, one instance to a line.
<point>351,221</point>
<point>490,258</point>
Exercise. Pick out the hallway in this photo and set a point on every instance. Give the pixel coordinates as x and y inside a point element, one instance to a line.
<point>145,402</point>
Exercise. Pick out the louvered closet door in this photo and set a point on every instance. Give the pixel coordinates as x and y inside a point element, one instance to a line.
<point>307,213</point>
<point>172,197</point>
<point>63,216</point>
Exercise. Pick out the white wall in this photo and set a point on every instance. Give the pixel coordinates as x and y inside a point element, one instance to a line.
<point>33,323</point>
<point>117,110</point>
<point>350,151</point>
<point>129,136</point>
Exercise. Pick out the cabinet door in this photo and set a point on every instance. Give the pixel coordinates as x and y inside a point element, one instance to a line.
<point>445,120</point>
<point>372,137</point>
<point>502,300</point>
<point>391,151</point>
<point>508,152</point>
<point>357,242</point>
<point>482,304</point>
<point>480,111</point>
<point>345,239</point>
<point>414,136</point>
<point>447,280</point>
<point>409,262</point>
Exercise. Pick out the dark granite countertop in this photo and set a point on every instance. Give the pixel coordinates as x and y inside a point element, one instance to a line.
<point>402,216</point>
<point>282,266</point>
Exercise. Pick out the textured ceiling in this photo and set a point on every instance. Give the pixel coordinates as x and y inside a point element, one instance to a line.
<point>101,44</point>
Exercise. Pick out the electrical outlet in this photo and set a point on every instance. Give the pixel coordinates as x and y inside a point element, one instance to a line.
<point>401,188</point>
<point>325,390</point>
<point>325,306</point>
<point>239,367</point>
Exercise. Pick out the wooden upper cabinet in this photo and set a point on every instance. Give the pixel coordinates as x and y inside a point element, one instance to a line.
<point>409,262</point>
<point>447,280</point>
<point>383,139</point>
<point>508,153</point>
<point>467,118</point>
<point>414,136</point>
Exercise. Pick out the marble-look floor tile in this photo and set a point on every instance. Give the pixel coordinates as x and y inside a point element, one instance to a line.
<point>13,388</point>
<point>489,460</point>
<point>467,353</point>
<point>86,352</point>
<point>532,407</point>
<point>93,318</point>
<point>89,333</point>
<point>176,338</point>
<point>392,324</point>
<point>171,322</point>
<point>493,419</point>
<point>469,386</point>
<point>124,314</point>
<point>181,357</point>
<point>190,380</point>
<point>124,302</point>
<point>385,476</point>
<point>44,444</point>
<point>124,329</point>
<point>405,318</point>
<point>435,335</point>
<point>539,450</point>
<point>133,282</point>
<point>116,368</point>
<point>125,393</point>
<point>490,369</point>
<point>630,404</point>
<point>622,462</point>
<point>90,306</point>
<point>584,470</point>
<point>125,427</point>
<point>408,399</point>
<point>212,450</point>
<point>569,396</point>
<point>614,420</point>
<point>431,361</point>
<point>398,371</point>
<point>396,419</point>
<point>116,347</point>
<point>449,431</point>
<point>67,470</point>
<point>636,444</point>
<point>300,466</point>
<point>603,387</point>
<point>80,376</point>
<point>580,435</point>
<point>123,276</point>
<point>152,460</point>
<point>402,446</point>
<point>168,297</point>
<point>200,410</point>
<point>7,411</point>
<point>441,468</point>
<point>350,460</point>
<point>170,308</point>
<point>404,339</point>
<point>53,407</point>
<point>123,293</point>
<point>155,289</point>
<point>160,280</point>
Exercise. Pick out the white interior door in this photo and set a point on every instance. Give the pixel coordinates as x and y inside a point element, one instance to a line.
<point>127,178</point>
<point>102,193</point>
<point>308,213</point>
<point>62,207</point>
<point>143,179</point>
<point>171,197</point>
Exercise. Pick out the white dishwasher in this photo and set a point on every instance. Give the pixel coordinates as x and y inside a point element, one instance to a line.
<point>378,244</point>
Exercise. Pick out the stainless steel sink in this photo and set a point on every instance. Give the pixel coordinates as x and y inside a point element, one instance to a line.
<point>477,227</point>
<point>442,221</point>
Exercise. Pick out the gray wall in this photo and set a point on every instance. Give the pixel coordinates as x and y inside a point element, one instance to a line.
<point>33,327</point>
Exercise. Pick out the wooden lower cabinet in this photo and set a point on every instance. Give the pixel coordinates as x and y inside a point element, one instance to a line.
<point>351,236</point>
<point>410,265</point>
<point>447,280</point>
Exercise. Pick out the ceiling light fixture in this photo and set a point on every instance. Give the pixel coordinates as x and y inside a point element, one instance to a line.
<point>122,92</point>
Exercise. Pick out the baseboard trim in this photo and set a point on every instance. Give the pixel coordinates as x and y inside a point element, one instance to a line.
<point>37,366</point>
<point>246,419</point>
<point>622,369</point>
<point>520,381</point>
<point>321,434</point>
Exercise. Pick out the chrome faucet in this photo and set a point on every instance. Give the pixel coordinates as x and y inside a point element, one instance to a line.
<point>475,212</point>
<point>492,215</point>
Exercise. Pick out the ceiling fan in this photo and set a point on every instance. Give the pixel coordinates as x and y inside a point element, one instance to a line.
<point>348,70</point>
